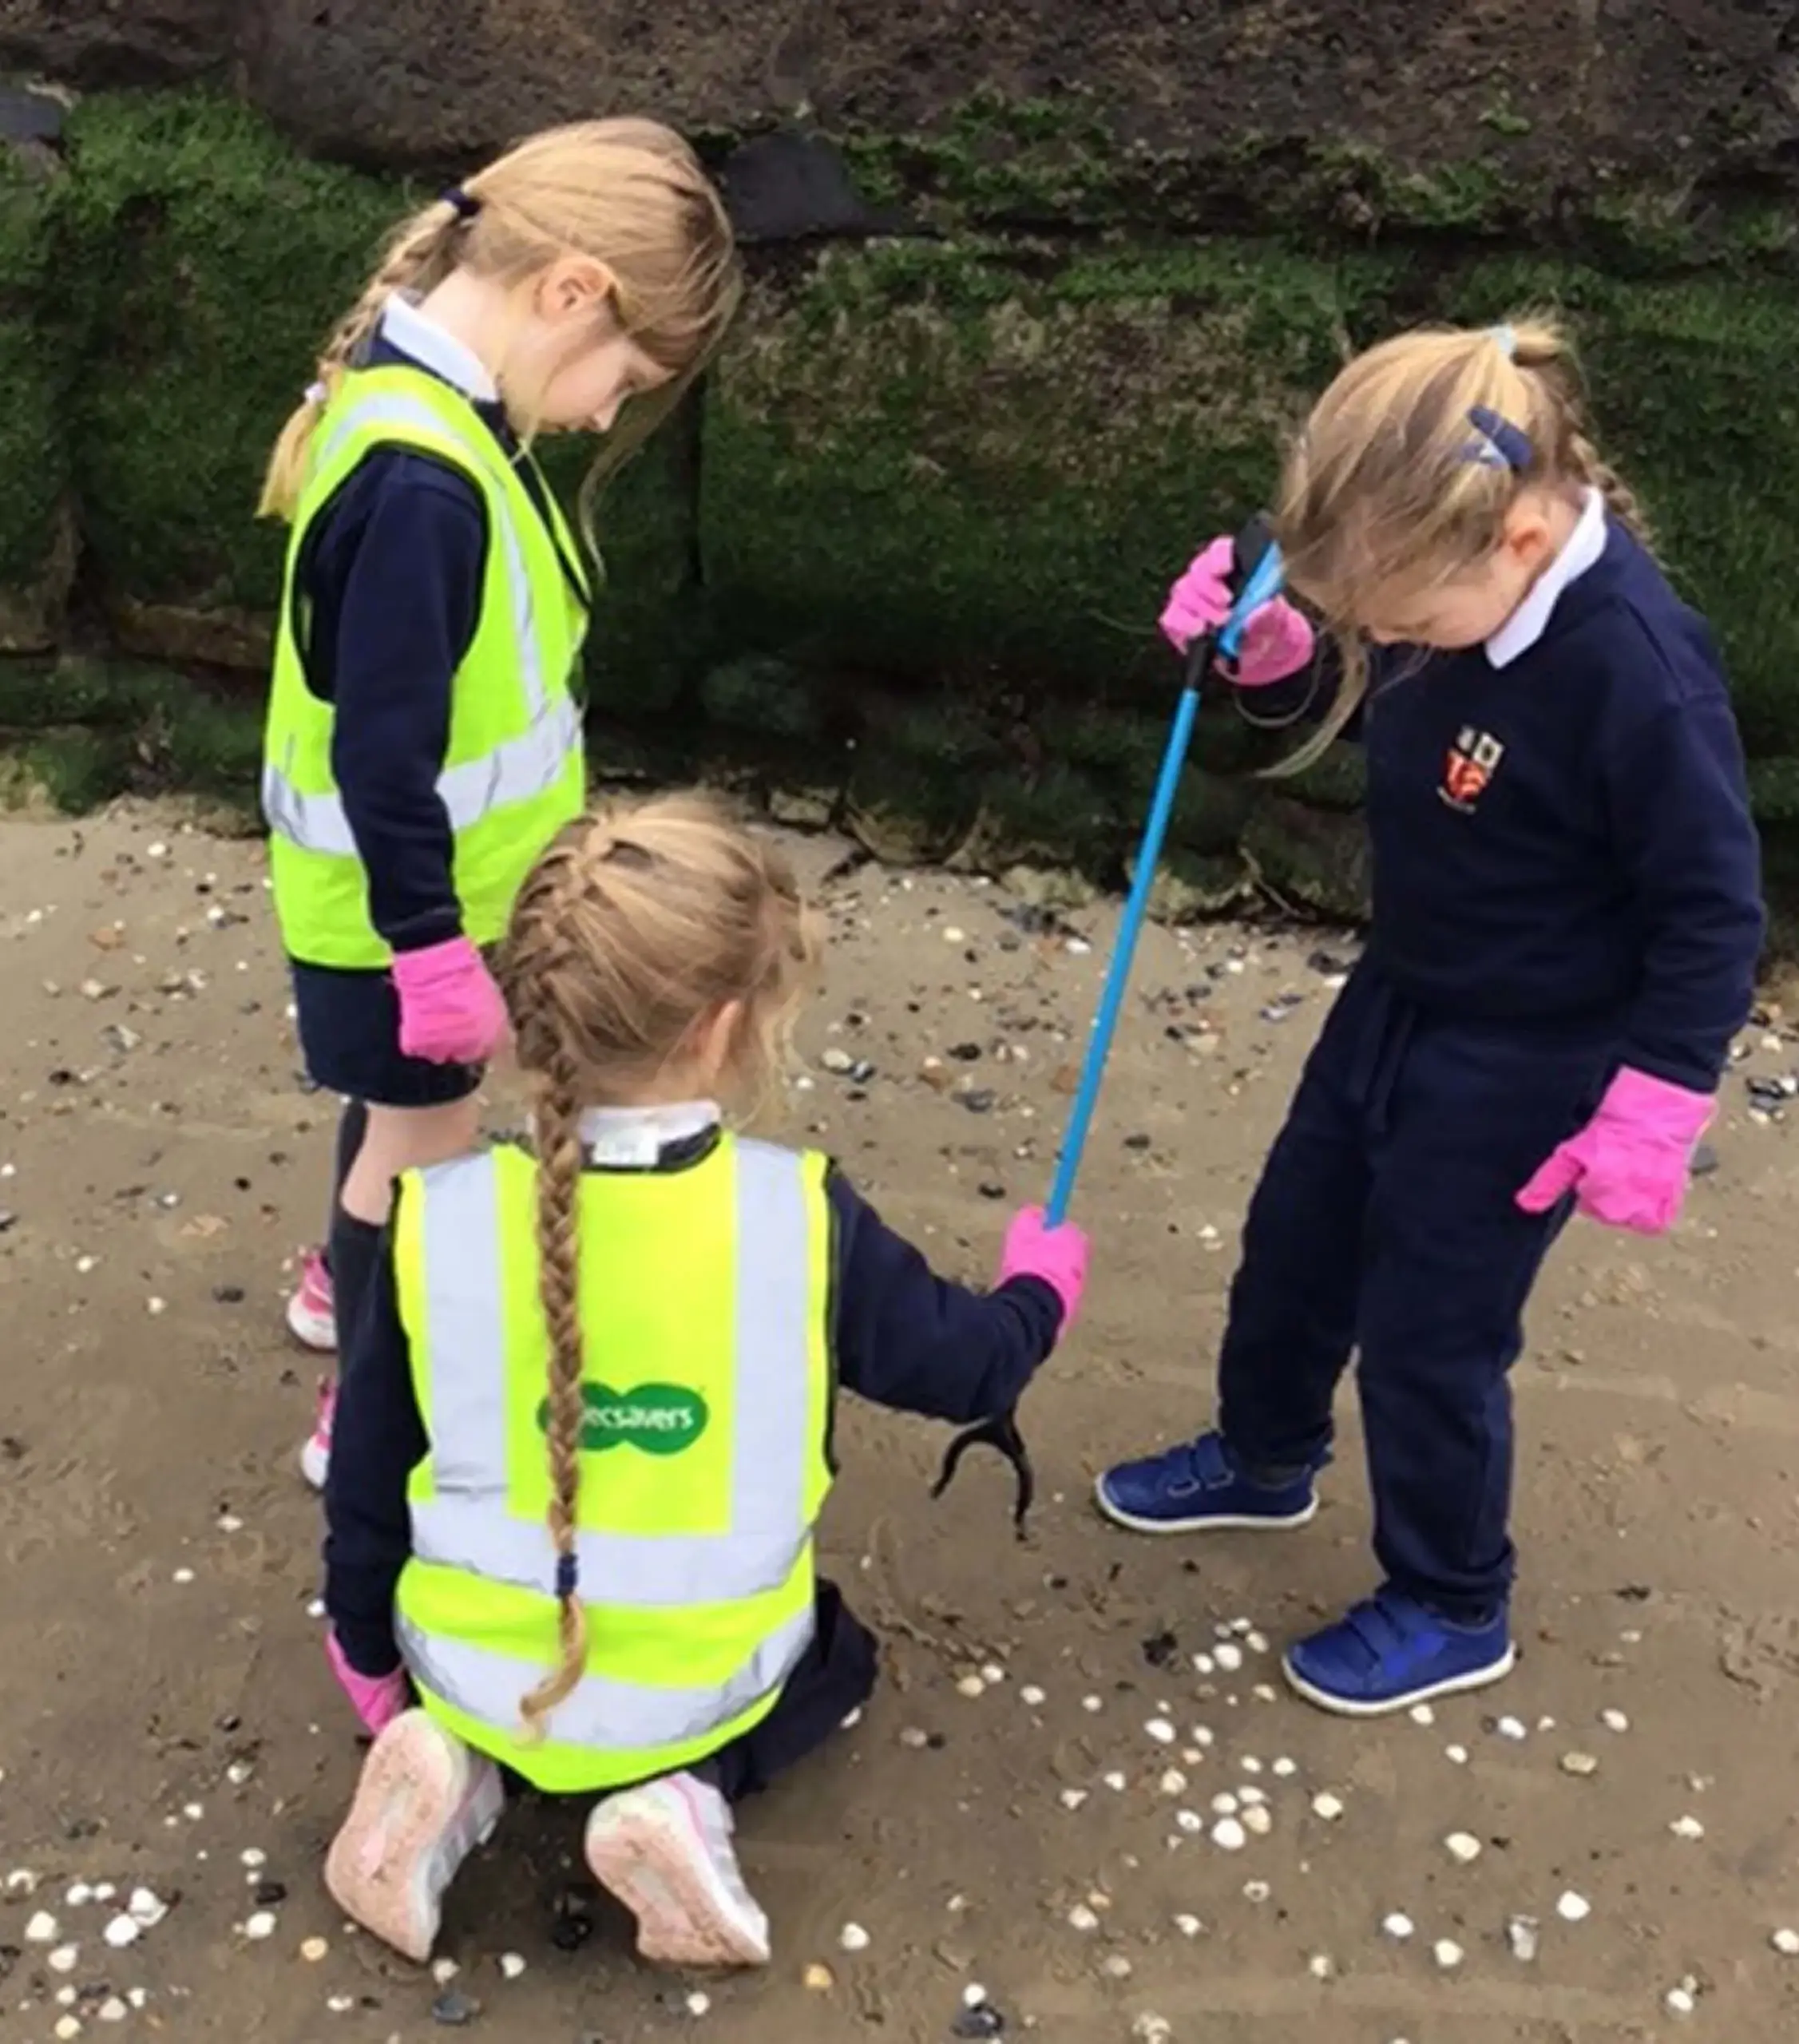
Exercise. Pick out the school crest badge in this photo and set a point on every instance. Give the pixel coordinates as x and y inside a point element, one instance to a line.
<point>1474,759</point>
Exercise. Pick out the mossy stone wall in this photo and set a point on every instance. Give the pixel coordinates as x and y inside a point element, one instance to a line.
<point>899,563</point>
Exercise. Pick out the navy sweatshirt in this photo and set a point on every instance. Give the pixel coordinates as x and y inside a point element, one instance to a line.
<point>902,1337</point>
<point>1564,840</point>
<point>388,585</point>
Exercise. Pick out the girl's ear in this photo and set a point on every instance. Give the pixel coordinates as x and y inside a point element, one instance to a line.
<point>572,287</point>
<point>717,1039</point>
<point>1528,537</point>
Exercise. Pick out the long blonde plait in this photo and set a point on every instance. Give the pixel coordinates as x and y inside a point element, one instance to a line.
<point>629,194</point>
<point>1379,491</point>
<point>636,927</point>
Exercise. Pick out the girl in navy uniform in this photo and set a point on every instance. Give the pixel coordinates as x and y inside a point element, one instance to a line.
<point>585,1428</point>
<point>424,736</point>
<point>1567,922</point>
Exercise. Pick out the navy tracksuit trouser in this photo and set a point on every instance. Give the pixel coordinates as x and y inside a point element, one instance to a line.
<point>1386,1225</point>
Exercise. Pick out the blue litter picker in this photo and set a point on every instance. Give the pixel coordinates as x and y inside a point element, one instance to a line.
<point>1258,578</point>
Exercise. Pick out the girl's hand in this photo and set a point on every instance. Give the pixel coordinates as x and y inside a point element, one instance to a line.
<point>1628,1166</point>
<point>1277,642</point>
<point>1056,1255</point>
<point>451,1013</point>
<point>377,1699</point>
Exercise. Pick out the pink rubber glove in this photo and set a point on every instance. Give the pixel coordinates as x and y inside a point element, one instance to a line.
<point>377,1699</point>
<point>451,1013</point>
<point>1057,1255</point>
<point>1277,641</point>
<point>1628,1166</point>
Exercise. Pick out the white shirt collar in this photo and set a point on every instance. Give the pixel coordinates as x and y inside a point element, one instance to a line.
<point>415,332</point>
<point>634,1137</point>
<point>1530,621</point>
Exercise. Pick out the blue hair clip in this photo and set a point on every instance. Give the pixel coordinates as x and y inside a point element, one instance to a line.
<point>1501,444</point>
<point>464,204</point>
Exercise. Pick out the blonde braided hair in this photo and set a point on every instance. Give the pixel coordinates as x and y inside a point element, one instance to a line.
<point>1379,491</point>
<point>630,194</point>
<point>638,929</point>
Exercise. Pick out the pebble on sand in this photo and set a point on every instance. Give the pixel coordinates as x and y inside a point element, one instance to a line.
<point>852,1938</point>
<point>1327,1806</point>
<point>1615,1721</point>
<point>1448,1954</point>
<point>1573,1908</point>
<point>1681,2001</point>
<point>512,1964</point>
<point>260,1926</point>
<point>1786,1943</point>
<point>1463,1847</point>
<point>1398,1925</point>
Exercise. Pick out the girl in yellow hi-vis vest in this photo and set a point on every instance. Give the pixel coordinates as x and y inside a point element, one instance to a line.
<point>424,735</point>
<point>584,1430</point>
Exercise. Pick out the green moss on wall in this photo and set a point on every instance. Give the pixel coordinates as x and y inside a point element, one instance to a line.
<point>202,262</point>
<point>33,454</point>
<point>932,460</point>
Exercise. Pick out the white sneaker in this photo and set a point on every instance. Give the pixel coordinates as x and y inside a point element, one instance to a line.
<point>424,1802</point>
<point>315,1456</point>
<point>312,1306</point>
<point>664,1850</point>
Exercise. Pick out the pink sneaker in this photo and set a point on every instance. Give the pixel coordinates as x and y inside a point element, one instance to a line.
<point>315,1457</point>
<point>312,1310</point>
<point>664,1850</point>
<point>424,1803</point>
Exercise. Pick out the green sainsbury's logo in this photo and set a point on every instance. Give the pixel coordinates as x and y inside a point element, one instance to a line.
<point>659,1419</point>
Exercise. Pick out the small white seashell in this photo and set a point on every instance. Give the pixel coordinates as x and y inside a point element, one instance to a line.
<point>253,1856</point>
<point>1681,2001</point>
<point>1421,1713</point>
<point>1327,1806</point>
<point>1255,1642</point>
<point>852,1938</point>
<point>260,1926</point>
<point>1285,1769</point>
<point>1688,1827</point>
<point>1150,2028</point>
<point>1225,1806</point>
<point>1189,1927</point>
<point>1081,1918</point>
<point>1248,1765</point>
<point>1458,1755</point>
<point>971,1686</point>
<point>698,2005</point>
<point>64,1959</point>
<point>1573,1908</point>
<point>312,1949</point>
<point>1161,1731</point>
<point>1229,1836</point>
<point>1320,1967</point>
<point>444,1971</point>
<point>1091,1703</point>
<point>1115,1781</point>
<point>1463,1847</point>
<point>1116,1966</point>
<point>512,1964</point>
<point>1579,1764</point>
<point>41,1929</point>
<point>1204,1736</point>
<point>112,2010</point>
<point>1398,1925</point>
<point>1173,1783</point>
<point>122,1930</point>
<point>1072,1799</point>
<point>1521,1935</point>
<point>144,1907</point>
<point>78,1895</point>
<point>67,2026</point>
<point>1512,1728</point>
<point>1229,1657</point>
<point>1031,1695</point>
<point>1448,1954</point>
<point>1256,1891</point>
<point>1615,1721</point>
<point>1258,1820</point>
<point>1786,1943</point>
<point>1190,1821</point>
<point>974,1995</point>
<point>1249,1794</point>
<point>991,1673</point>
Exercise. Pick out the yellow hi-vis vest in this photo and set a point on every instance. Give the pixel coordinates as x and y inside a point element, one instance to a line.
<point>705,1308</point>
<point>513,772</point>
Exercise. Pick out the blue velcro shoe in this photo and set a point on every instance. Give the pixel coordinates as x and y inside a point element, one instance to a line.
<point>1391,1653</point>
<point>1200,1487</point>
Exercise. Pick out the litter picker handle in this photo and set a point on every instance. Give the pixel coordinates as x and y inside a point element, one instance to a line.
<point>1259,576</point>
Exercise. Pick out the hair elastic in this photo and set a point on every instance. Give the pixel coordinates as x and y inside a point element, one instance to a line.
<point>1505,340</point>
<point>316,393</point>
<point>1501,444</point>
<point>568,1575</point>
<point>464,204</point>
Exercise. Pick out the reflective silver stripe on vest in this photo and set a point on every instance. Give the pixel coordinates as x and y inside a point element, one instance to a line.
<point>467,1524</point>
<point>515,771</point>
<point>601,1712</point>
<point>520,769</point>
